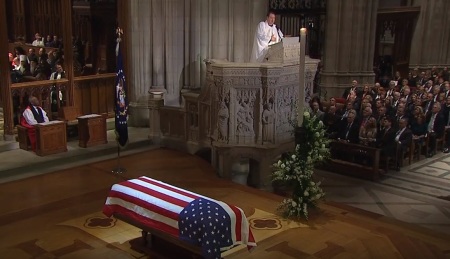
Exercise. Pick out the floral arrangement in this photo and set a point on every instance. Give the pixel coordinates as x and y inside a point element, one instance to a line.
<point>296,169</point>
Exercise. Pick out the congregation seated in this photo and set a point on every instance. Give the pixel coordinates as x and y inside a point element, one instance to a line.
<point>42,57</point>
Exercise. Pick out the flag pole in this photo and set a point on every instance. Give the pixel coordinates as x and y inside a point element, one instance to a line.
<point>119,169</point>
<point>121,110</point>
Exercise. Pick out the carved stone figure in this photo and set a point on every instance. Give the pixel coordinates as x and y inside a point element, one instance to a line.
<point>222,122</point>
<point>244,119</point>
<point>268,120</point>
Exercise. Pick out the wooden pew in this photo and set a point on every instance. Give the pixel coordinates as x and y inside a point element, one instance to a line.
<point>355,160</point>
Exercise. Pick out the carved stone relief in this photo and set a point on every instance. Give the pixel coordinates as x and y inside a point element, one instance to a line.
<point>245,112</point>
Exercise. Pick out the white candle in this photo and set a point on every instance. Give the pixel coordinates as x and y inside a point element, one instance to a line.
<point>301,78</point>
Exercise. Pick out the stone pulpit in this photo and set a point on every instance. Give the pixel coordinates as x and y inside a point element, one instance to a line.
<point>252,106</point>
<point>286,51</point>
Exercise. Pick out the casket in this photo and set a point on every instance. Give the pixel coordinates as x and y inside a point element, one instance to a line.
<point>189,218</point>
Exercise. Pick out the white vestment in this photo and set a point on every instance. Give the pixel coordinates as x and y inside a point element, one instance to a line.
<point>263,40</point>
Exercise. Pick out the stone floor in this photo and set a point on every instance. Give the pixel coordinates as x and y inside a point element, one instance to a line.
<point>417,194</point>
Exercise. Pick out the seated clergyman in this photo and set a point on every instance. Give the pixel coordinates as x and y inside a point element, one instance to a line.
<point>33,115</point>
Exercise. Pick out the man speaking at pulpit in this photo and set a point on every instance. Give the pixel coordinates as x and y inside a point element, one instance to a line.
<point>33,115</point>
<point>266,34</point>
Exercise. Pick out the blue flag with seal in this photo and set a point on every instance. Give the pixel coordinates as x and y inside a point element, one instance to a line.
<point>121,107</point>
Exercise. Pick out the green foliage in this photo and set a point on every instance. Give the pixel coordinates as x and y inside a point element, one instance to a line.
<point>297,168</point>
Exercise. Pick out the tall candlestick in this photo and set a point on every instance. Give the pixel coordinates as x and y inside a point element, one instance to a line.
<point>301,78</point>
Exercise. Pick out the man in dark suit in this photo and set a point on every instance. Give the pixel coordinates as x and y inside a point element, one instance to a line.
<point>349,130</point>
<point>386,138</point>
<point>403,139</point>
<point>353,88</point>
<point>428,104</point>
<point>331,121</point>
<point>436,128</point>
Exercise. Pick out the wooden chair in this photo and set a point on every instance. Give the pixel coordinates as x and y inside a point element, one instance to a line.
<point>69,114</point>
<point>439,143</point>
<point>418,145</point>
<point>405,154</point>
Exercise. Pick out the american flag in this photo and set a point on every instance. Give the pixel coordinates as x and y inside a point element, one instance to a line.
<point>121,100</point>
<point>213,225</point>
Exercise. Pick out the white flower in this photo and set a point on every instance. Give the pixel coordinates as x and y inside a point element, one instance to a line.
<point>318,196</point>
<point>283,166</point>
<point>312,183</point>
<point>294,204</point>
<point>317,134</point>
<point>279,162</point>
<point>306,115</point>
<point>321,123</point>
<point>293,156</point>
<point>306,194</point>
<point>323,145</point>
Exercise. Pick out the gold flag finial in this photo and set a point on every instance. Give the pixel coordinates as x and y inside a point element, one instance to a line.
<point>119,32</point>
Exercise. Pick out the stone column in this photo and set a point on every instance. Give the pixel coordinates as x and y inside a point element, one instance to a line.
<point>154,104</point>
<point>169,39</point>
<point>431,39</point>
<point>349,44</point>
<point>5,77</point>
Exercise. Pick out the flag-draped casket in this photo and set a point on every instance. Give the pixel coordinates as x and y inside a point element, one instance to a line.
<point>199,220</point>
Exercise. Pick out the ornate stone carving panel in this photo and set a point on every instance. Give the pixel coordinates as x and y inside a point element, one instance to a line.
<point>255,105</point>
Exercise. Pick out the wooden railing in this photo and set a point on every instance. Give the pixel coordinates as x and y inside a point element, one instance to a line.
<point>356,160</point>
<point>92,94</point>
<point>52,94</point>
